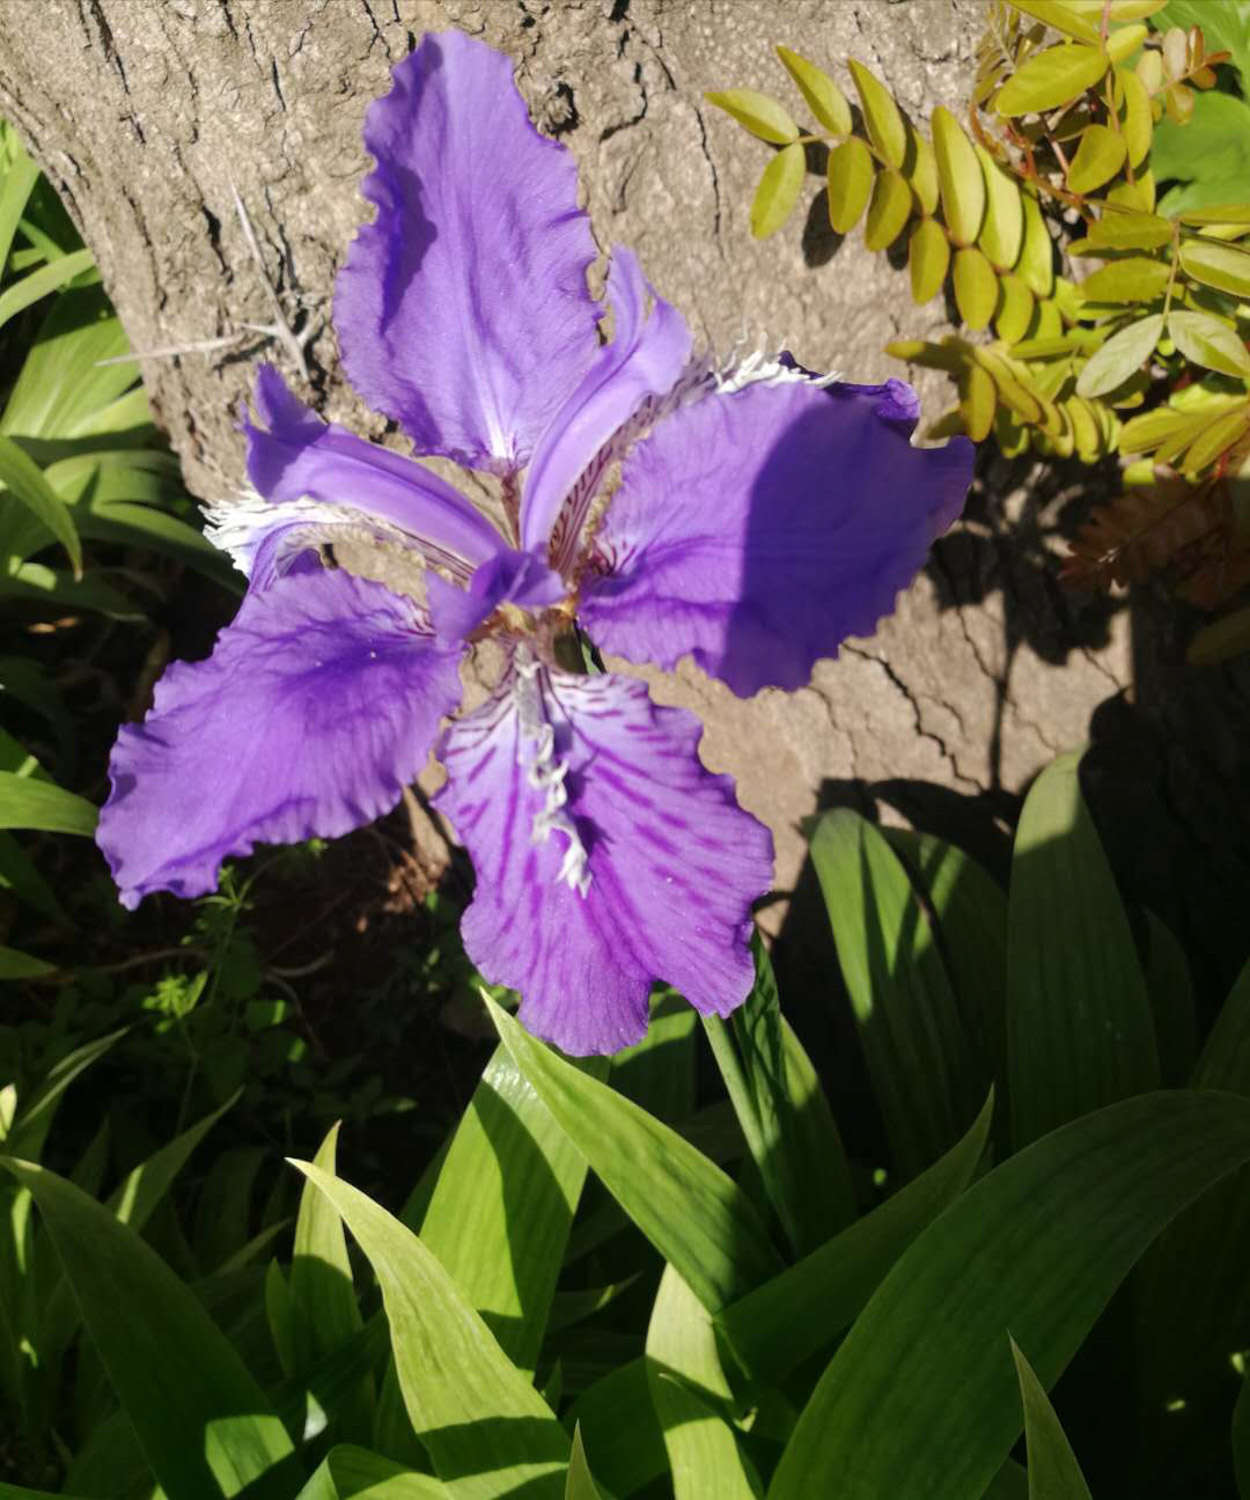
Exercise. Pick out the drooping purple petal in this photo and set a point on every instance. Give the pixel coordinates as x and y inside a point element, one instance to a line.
<point>519,578</point>
<point>649,350</point>
<point>462,310</point>
<point>318,705</point>
<point>301,458</point>
<point>606,856</point>
<point>758,529</point>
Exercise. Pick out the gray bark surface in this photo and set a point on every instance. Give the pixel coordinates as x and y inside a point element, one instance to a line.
<point>148,115</point>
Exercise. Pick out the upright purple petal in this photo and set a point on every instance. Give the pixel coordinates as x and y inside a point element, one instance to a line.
<point>649,350</point>
<point>758,529</point>
<point>318,705</point>
<point>607,858</point>
<point>462,310</point>
<point>299,458</point>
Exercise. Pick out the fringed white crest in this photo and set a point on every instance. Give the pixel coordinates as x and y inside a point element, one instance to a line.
<point>761,368</point>
<point>546,773</point>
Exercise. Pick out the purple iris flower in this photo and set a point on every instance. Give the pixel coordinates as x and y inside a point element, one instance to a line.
<point>751,517</point>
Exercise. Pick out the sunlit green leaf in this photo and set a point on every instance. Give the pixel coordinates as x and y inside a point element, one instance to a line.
<point>1208,159</point>
<point>976,287</point>
<point>850,183</point>
<point>1002,232</point>
<point>25,482</point>
<point>26,802</point>
<point>1216,439</point>
<point>758,113</point>
<point>778,191</point>
<point>1100,155</point>
<point>1136,278</point>
<point>928,258</point>
<point>1129,231</point>
<point>920,170</point>
<point>1036,266</point>
<point>1138,122</point>
<point>889,210</point>
<point>960,177</point>
<point>350,1473</point>
<point>1122,355</point>
<point>978,401</point>
<point>1208,342</point>
<point>1014,312</point>
<point>1061,16</point>
<point>821,95</point>
<point>1037,1247</point>
<point>1054,1473</point>
<point>580,1484</point>
<point>1050,78</point>
<point>881,115</point>
<point>1222,266</point>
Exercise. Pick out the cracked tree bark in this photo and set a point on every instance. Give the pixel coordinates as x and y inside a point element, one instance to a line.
<point>149,118</point>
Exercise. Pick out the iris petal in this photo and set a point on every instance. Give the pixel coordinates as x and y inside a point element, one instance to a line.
<point>607,858</point>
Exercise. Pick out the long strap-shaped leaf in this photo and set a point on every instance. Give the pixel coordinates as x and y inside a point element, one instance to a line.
<point>481,1421</point>
<point>1036,1248</point>
<point>693,1214</point>
<point>25,483</point>
<point>202,1421</point>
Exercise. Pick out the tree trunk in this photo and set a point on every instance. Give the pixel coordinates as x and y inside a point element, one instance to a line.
<point>151,117</point>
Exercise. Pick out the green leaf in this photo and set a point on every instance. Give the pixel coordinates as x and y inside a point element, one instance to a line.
<point>34,1118</point>
<point>850,182</point>
<point>976,287</point>
<point>1172,1000</point>
<point>1014,312</point>
<point>1080,1031</point>
<point>1138,122</point>
<point>204,1424</point>
<point>821,95</point>
<point>1062,17</point>
<point>29,803</point>
<point>1051,78</point>
<point>17,965</point>
<point>687,1207</point>
<point>778,191</point>
<point>885,125</point>
<point>889,210</point>
<point>1100,155</point>
<point>971,913</point>
<point>1054,1473</point>
<point>477,1415</point>
<point>913,1037</point>
<point>758,113</point>
<point>687,1387</point>
<point>347,1472</point>
<point>1222,266</point>
<point>978,401</point>
<point>1215,440</point>
<point>802,1311</point>
<point>1208,159</point>
<point>1036,266</point>
<point>1120,357</point>
<point>1209,342</point>
<point>499,1216</point>
<point>1136,278</point>
<point>960,178</point>
<point>785,1118</point>
<point>580,1484</point>
<point>26,484</point>
<point>21,294</point>
<point>1241,1439</point>
<point>1037,1247</point>
<point>321,1312</point>
<point>928,258</point>
<point>619,1422</point>
<point>19,179</point>
<point>1128,231</point>
<point>920,170</point>
<point>1002,232</point>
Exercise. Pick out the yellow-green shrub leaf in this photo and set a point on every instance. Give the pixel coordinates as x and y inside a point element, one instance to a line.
<point>1220,213</point>
<point>976,287</point>
<point>1098,158</point>
<point>951,354</point>
<point>758,113</point>
<point>850,183</point>
<point>778,191</point>
<point>1217,439</point>
<point>1062,17</point>
<point>1121,356</point>
<point>1138,121</point>
<point>1086,433</point>
<point>1128,231</point>
<point>1222,266</point>
<point>960,177</point>
<point>1123,43</point>
<point>1011,388</point>
<point>881,115</point>
<point>978,401</point>
<point>1036,267</point>
<point>1015,308</point>
<point>1145,433</point>
<point>822,96</point>
<point>889,210</point>
<point>1051,78</point>
<point>920,170</point>
<point>1208,342</point>
<point>1002,232</point>
<point>1138,195</point>
<point>1054,1473</point>
<point>1137,278</point>
<point>928,259</point>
